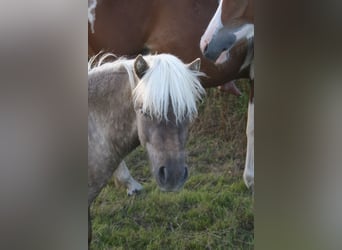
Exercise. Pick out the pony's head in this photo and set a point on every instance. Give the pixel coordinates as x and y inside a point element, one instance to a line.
<point>165,99</point>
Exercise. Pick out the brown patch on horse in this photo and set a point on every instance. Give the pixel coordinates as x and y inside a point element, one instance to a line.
<point>131,27</point>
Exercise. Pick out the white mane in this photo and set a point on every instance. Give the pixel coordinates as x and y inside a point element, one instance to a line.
<point>168,81</point>
<point>97,64</point>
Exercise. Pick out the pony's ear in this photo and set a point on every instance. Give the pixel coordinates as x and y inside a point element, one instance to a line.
<point>195,65</point>
<point>140,66</point>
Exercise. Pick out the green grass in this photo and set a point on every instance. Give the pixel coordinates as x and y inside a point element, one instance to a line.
<point>214,210</point>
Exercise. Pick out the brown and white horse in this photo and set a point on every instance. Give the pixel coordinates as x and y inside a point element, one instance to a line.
<point>233,25</point>
<point>137,27</point>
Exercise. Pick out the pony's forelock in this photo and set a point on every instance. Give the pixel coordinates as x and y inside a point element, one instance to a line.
<point>168,81</point>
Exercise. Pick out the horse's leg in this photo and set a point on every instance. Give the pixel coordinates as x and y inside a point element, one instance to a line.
<point>122,176</point>
<point>231,88</point>
<point>89,227</point>
<point>248,174</point>
<point>98,177</point>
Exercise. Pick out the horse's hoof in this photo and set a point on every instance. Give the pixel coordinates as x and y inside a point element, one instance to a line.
<point>135,189</point>
<point>132,192</point>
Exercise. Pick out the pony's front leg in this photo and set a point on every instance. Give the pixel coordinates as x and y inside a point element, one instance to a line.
<point>122,176</point>
<point>248,174</point>
<point>90,232</point>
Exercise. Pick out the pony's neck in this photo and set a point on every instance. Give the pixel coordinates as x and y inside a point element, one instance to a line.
<point>123,132</point>
<point>110,102</point>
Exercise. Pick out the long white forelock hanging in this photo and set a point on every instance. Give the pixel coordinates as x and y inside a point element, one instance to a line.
<point>168,82</point>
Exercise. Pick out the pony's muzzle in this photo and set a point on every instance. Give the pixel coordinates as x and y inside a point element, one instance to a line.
<point>170,181</point>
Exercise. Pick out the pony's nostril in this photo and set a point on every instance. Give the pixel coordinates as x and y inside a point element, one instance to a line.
<point>205,48</point>
<point>162,174</point>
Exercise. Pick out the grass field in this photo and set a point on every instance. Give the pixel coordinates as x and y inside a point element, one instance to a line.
<point>214,210</point>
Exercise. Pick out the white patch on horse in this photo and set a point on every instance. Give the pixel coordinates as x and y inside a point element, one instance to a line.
<point>214,25</point>
<point>249,60</point>
<point>91,13</point>
<point>123,177</point>
<point>249,35</point>
<point>248,174</point>
<point>246,31</point>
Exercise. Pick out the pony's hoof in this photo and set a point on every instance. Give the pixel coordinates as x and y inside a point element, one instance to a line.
<point>134,189</point>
